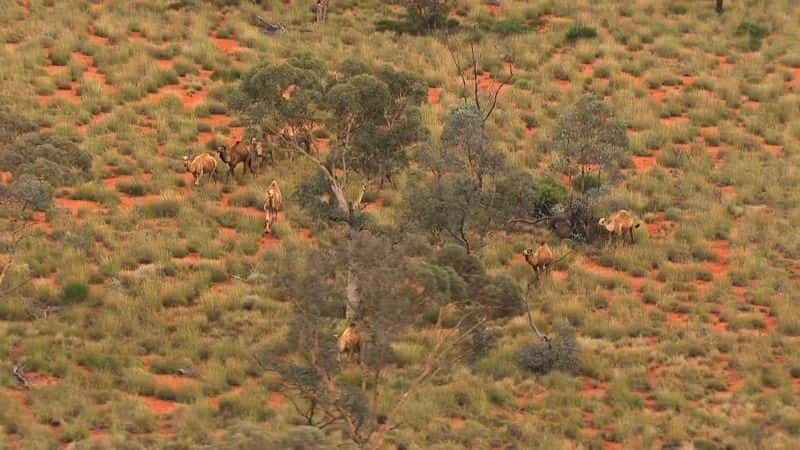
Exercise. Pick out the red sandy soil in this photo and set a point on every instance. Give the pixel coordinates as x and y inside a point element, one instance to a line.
<point>189,101</point>
<point>135,36</point>
<point>75,205</point>
<point>727,191</point>
<point>97,434</point>
<point>597,269</point>
<point>553,18</point>
<point>719,268</point>
<point>454,421</point>
<point>275,400</point>
<point>394,7</point>
<point>216,120</point>
<point>164,63</point>
<point>717,324</point>
<point>128,202</point>
<point>40,221</point>
<point>675,120</point>
<point>592,389</point>
<point>91,71</point>
<point>113,181</point>
<point>22,398</point>
<point>225,45</point>
<point>378,203</point>
<point>643,163</point>
<point>39,379</point>
<point>723,62</point>
<point>174,381</point>
<point>562,85</point>
<point>159,406</point>
<point>433,95</point>
<point>305,234</point>
<point>227,232</point>
<point>772,149</point>
<point>677,317</point>
<point>99,40</point>
<point>529,132</point>
<point>587,70</point>
<point>657,94</point>
<point>53,70</point>
<point>267,242</point>
<point>493,9</point>
<point>11,46</point>
<point>5,176</point>
<point>485,81</point>
<point>560,275</point>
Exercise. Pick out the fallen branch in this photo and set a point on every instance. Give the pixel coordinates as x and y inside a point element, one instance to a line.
<point>19,373</point>
<point>267,27</point>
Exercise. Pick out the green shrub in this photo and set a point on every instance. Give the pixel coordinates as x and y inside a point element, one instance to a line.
<point>576,32</point>
<point>74,292</point>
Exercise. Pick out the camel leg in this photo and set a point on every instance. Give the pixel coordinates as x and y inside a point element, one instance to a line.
<point>633,240</point>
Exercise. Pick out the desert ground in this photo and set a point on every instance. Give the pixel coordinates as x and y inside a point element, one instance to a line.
<point>420,147</point>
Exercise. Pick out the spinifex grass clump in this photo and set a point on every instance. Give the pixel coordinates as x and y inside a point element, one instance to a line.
<point>559,353</point>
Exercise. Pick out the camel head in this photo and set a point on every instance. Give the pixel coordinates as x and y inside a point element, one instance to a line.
<point>527,252</point>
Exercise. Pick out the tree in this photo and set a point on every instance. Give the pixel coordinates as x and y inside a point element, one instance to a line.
<point>372,114</point>
<point>719,7</point>
<point>587,136</point>
<point>48,156</point>
<point>17,200</point>
<point>309,279</point>
<point>473,191</point>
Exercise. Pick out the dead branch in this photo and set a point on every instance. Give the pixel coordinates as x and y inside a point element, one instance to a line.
<point>19,372</point>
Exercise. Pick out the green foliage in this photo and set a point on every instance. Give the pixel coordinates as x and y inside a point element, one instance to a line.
<point>561,353</point>
<point>422,17</point>
<point>756,33</point>
<point>52,157</point>
<point>576,32</point>
<point>28,191</point>
<point>75,292</point>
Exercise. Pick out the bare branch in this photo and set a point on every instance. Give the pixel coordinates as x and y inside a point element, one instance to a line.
<point>19,372</point>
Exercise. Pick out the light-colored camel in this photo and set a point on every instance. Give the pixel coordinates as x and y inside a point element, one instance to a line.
<point>204,163</point>
<point>272,204</point>
<point>540,260</point>
<point>620,222</point>
<point>349,344</point>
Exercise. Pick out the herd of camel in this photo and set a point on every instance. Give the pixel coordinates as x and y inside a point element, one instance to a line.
<point>248,155</point>
<point>541,260</point>
<point>350,342</point>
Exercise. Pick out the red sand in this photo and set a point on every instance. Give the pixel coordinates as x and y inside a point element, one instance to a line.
<point>433,95</point>
<point>657,94</point>
<point>643,163</point>
<point>225,45</point>
<point>562,85</point>
<point>275,400</point>
<point>159,406</point>
<point>75,205</point>
<point>493,9</point>
<point>675,120</point>
<point>189,101</point>
<point>174,381</point>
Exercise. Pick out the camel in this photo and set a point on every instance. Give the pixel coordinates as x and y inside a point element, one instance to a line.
<point>349,344</point>
<point>272,204</point>
<point>199,165</point>
<point>620,222</point>
<point>258,152</point>
<point>234,155</point>
<point>540,260</point>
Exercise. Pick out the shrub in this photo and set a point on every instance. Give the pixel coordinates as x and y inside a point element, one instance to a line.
<point>54,158</point>
<point>74,292</point>
<point>133,188</point>
<point>576,32</point>
<point>167,207</point>
<point>561,353</point>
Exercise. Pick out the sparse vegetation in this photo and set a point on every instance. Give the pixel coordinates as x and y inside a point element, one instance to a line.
<point>416,165</point>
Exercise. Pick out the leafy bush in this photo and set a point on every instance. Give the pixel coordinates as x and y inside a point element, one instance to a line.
<point>74,292</point>
<point>133,188</point>
<point>559,354</point>
<point>29,192</point>
<point>54,158</point>
<point>576,32</point>
<point>755,33</point>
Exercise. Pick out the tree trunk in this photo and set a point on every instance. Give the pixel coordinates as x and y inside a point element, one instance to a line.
<point>352,312</point>
<point>719,6</point>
